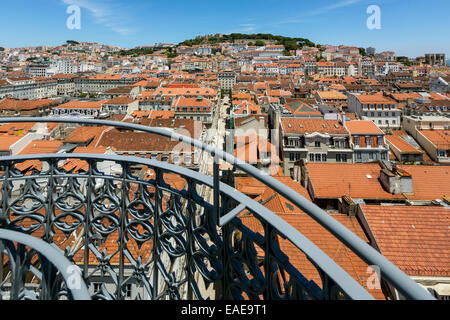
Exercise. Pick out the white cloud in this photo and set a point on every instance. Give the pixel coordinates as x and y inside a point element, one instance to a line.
<point>107,13</point>
<point>304,16</point>
<point>337,5</point>
<point>247,27</point>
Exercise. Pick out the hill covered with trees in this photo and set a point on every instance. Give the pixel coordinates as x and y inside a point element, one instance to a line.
<point>252,39</point>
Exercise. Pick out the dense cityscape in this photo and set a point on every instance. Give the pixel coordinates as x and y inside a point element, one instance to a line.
<point>363,135</point>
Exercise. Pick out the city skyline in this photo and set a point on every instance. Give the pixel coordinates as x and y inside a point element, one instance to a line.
<point>127,24</point>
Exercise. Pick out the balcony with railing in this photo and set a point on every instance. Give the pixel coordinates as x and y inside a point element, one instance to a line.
<point>99,230</point>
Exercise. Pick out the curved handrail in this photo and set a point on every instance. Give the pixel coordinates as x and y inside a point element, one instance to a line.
<point>349,285</point>
<point>64,266</point>
<point>398,278</point>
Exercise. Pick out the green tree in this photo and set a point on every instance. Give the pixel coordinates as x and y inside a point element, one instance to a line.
<point>170,55</point>
<point>290,45</point>
<point>2,49</point>
<point>72,42</point>
<point>362,52</point>
<point>260,43</point>
<point>286,52</point>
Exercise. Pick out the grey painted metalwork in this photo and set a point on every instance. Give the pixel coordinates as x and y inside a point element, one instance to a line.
<point>214,244</point>
<point>58,277</point>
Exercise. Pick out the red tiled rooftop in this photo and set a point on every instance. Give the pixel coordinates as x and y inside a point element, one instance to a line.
<point>416,239</point>
<point>429,182</point>
<point>359,181</point>
<point>329,244</point>
<point>440,138</point>
<point>41,146</point>
<point>313,125</point>
<point>400,144</point>
<point>362,127</point>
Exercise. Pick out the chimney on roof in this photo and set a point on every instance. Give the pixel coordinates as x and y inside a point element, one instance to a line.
<point>343,120</point>
<point>395,180</point>
<point>348,206</point>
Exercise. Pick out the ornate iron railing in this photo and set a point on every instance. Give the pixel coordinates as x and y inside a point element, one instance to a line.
<point>166,241</point>
<point>58,278</point>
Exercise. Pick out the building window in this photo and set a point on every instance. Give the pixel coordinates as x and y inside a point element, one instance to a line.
<point>370,155</point>
<point>317,157</point>
<point>317,144</point>
<point>357,141</point>
<point>380,141</point>
<point>358,156</point>
<point>311,157</point>
<point>291,157</point>
<point>344,158</point>
<point>368,142</point>
<point>324,157</point>
<point>297,156</point>
<point>383,156</point>
<point>338,157</point>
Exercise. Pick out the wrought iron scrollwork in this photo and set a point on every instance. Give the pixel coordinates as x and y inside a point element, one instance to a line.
<point>156,235</point>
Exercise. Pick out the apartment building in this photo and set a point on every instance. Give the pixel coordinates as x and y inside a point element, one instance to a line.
<point>367,141</point>
<point>383,111</point>
<point>26,108</point>
<point>28,88</point>
<point>314,140</point>
<point>199,109</point>
<point>81,109</point>
<point>103,82</point>
<point>120,105</point>
<point>331,97</point>
<point>433,135</point>
<point>227,79</point>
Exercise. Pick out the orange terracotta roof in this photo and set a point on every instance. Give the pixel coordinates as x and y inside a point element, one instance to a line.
<point>362,127</point>
<point>161,114</point>
<point>41,146</point>
<point>98,150</point>
<point>329,244</point>
<point>415,239</point>
<point>313,125</point>
<point>374,99</point>
<point>429,182</point>
<point>16,104</point>
<point>85,135</point>
<point>121,100</point>
<point>400,144</point>
<point>359,181</point>
<point>82,105</point>
<point>332,95</point>
<point>6,141</point>
<point>440,138</point>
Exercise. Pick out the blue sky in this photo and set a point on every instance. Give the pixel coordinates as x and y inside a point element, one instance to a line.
<point>409,28</point>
